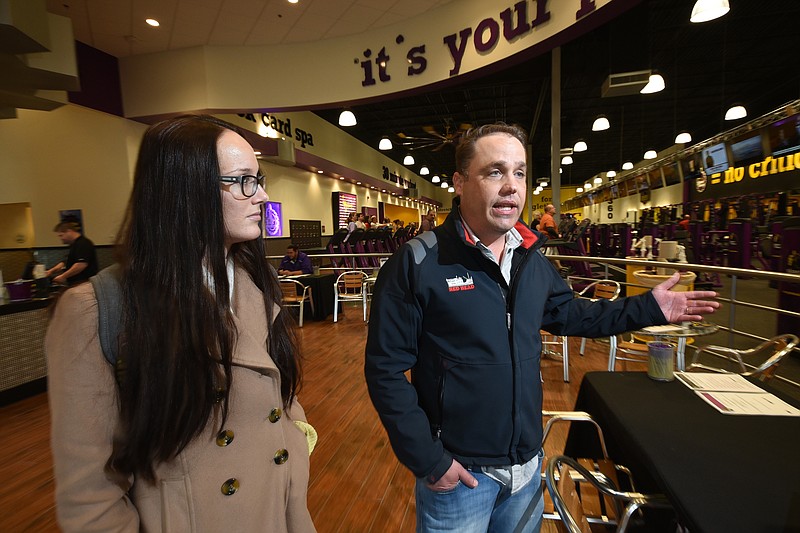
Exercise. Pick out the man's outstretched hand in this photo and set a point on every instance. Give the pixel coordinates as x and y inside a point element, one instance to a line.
<point>683,306</point>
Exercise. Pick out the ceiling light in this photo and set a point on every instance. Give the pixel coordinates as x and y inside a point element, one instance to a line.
<point>347,118</point>
<point>560,170</point>
<point>385,144</point>
<point>611,174</point>
<point>152,22</point>
<point>654,84</point>
<point>587,186</point>
<point>256,152</point>
<point>408,160</point>
<point>319,172</point>
<point>424,171</point>
<point>341,177</point>
<point>705,10</point>
<point>435,179</point>
<point>650,154</point>
<point>566,160</point>
<point>735,113</point>
<point>444,185</point>
<point>542,182</point>
<point>293,1</point>
<point>598,180</point>
<point>358,183</point>
<point>579,190</point>
<point>627,165</point>
<point>683,138</point>
<point>451,189</point>
<point>580,146</point>
<point>601,123</point>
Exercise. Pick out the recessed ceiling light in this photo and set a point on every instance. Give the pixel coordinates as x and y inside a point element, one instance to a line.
<point>341,177</point>
<point>319,172</point>
<point>358,183</point>
<point>152,22</point>
<point>256,152</point>
<point>293,1</point>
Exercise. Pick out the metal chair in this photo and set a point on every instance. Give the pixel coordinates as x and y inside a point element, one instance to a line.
<point>760,362</point>
<point>562,483</point>
<point>349,287</point>
<point>557,340</point>
<point>608,289</point>
<point>295,294</point>
<point>597,507</point>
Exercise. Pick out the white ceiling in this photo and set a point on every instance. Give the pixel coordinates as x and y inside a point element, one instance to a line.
<point>118,27</point>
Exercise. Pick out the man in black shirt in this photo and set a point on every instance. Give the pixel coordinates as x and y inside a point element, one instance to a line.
<point>81,261</point>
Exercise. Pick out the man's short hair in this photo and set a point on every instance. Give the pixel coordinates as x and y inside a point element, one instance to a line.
<point>67,226</point>
<point>465,150</point>
<point>293,247</point>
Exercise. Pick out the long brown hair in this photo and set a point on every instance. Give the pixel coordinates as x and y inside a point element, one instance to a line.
<point>178,333</point>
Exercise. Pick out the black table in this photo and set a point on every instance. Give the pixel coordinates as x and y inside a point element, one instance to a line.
<point>322,293</point>
<point>725,473</point>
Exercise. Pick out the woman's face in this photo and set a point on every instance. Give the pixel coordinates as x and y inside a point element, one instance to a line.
<point>242,216</point>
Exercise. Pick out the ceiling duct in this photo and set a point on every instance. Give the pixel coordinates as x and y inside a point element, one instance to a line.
<point>625,83</point>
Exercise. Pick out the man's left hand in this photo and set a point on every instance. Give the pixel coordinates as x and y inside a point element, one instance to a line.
<point>683,306</point>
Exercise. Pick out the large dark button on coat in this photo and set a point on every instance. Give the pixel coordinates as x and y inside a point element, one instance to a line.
<point>281,456</point>
<point>230,487</point>
<point>224,437</point>
<point>275,415</point>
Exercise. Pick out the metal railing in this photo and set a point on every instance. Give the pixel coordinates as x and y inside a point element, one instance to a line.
<point>734,274</point>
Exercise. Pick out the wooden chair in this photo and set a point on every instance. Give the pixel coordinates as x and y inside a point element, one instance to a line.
<point>295,294</point>
<point>760,362</point>
<point>349,287</point>
<point>570,483</point>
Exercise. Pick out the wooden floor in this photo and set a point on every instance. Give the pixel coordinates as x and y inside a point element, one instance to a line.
<point>356,484</point>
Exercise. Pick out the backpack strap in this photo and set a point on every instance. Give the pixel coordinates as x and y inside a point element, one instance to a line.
<point>108,292</point>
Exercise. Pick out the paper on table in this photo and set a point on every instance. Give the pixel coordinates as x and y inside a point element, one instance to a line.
<point>748,403</point>
<point>663,329</point>
<point>713,381</point>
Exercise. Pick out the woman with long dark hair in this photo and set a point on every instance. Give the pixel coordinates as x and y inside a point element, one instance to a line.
<point>199,428</point>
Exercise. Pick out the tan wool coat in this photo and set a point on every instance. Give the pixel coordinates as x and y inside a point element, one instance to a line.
<point>270,492</point>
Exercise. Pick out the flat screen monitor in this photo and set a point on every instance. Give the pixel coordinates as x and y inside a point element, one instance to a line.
<point>747,149</point>
<point>654,179</point>
<point>784,136</point>
<point>691,166</point>
<point>671,174</point>
<point>715,158</point>
<point>273,219</point>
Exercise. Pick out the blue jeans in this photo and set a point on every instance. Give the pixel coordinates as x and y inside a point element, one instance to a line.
<point>489,507</point>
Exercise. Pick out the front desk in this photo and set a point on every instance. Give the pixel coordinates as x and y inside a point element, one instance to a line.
<point>23,368</point>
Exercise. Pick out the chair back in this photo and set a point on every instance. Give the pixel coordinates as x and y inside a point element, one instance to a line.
<point>776,349</point>
<point>607,289</point>
<point>289,289</point>
<point>351,283</point>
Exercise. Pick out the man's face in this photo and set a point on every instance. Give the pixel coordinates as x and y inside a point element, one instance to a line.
<point>292,253</point>
<point>493,190</point>
<point>67,236</point>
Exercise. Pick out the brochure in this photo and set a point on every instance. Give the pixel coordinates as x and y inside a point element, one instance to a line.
<point>732,394</point>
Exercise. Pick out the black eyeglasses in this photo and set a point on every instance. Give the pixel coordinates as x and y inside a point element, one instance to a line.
<point>248,185</point>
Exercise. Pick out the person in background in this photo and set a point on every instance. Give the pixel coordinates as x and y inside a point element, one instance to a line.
<point>469,422</point>
<point>428,222</point>
<point>360,223</point>
<point>81,261</point>
<point>295,262</point>
<point>197,427</point>
<point>684,223</point>
<point>537,217</point>
<point>547,224</point>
